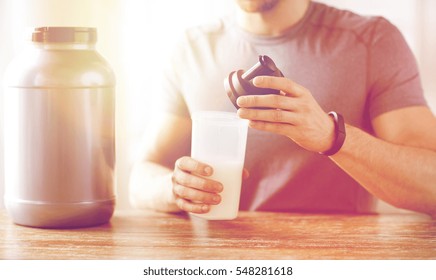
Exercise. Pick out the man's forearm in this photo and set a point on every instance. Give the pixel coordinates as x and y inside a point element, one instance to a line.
<point>400,175</point>
<point>150,187</point>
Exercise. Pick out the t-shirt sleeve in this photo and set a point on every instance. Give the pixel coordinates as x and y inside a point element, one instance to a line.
<point>393,76</point>
<point>171,97</point>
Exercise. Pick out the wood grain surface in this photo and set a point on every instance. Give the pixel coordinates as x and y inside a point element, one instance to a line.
<point>253,235</point>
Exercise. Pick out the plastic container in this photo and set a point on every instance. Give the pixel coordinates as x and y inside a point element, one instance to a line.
<point>59,131</point>
<point>219,139</point>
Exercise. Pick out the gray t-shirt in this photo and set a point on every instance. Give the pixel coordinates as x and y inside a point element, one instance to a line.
<point>358,66</point>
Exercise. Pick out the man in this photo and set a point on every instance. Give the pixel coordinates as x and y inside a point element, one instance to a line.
<point>296,158</point>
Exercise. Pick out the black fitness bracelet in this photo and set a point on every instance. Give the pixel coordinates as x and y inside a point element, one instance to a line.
<point>339,134</point>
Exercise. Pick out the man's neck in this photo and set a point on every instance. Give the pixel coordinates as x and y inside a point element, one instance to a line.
<point>275,21</point>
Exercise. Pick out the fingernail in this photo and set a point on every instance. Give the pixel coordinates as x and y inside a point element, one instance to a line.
<point>258,80</point>
<point>216,198</point>
<point>252,124</point>
<point>208,170</point>
<point>205,208</point>
<point>240,101</point>
<point>218,187</point>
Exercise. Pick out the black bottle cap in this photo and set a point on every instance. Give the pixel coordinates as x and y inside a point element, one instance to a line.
<point>240,83</point>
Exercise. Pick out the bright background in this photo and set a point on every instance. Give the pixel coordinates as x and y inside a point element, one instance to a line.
<point>135,36</point>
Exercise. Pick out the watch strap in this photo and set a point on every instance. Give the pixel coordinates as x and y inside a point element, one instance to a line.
<point>339,134</point>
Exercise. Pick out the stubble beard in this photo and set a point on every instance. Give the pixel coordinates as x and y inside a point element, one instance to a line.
<point>257,6</point>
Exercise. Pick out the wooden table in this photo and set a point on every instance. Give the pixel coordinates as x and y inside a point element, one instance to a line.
<point>254,235</point>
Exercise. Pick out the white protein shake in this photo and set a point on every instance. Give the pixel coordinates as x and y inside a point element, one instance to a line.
<point>229,174</point>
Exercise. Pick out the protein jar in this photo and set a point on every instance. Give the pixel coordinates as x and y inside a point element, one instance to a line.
<point>60,131</point>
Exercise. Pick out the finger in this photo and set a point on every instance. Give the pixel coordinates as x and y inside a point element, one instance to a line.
<point>279,128</point>
<point>276,116</point>
<point>268,101</point>
<point>291,88</point>
<point>191,165</point>
<point>189,180</point>
<point>189,206</point>
<point>196,195</point>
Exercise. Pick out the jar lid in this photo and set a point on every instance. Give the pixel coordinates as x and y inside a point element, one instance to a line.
<point>86,35</point>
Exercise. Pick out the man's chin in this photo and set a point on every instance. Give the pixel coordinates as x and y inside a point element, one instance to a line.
<point>257,6</point>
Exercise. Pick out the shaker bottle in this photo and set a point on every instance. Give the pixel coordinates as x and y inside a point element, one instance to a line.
<point>59,131</point>
<point>219,140</point>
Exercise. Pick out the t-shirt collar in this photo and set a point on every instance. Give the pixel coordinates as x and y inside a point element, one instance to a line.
<point>265,39</point>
